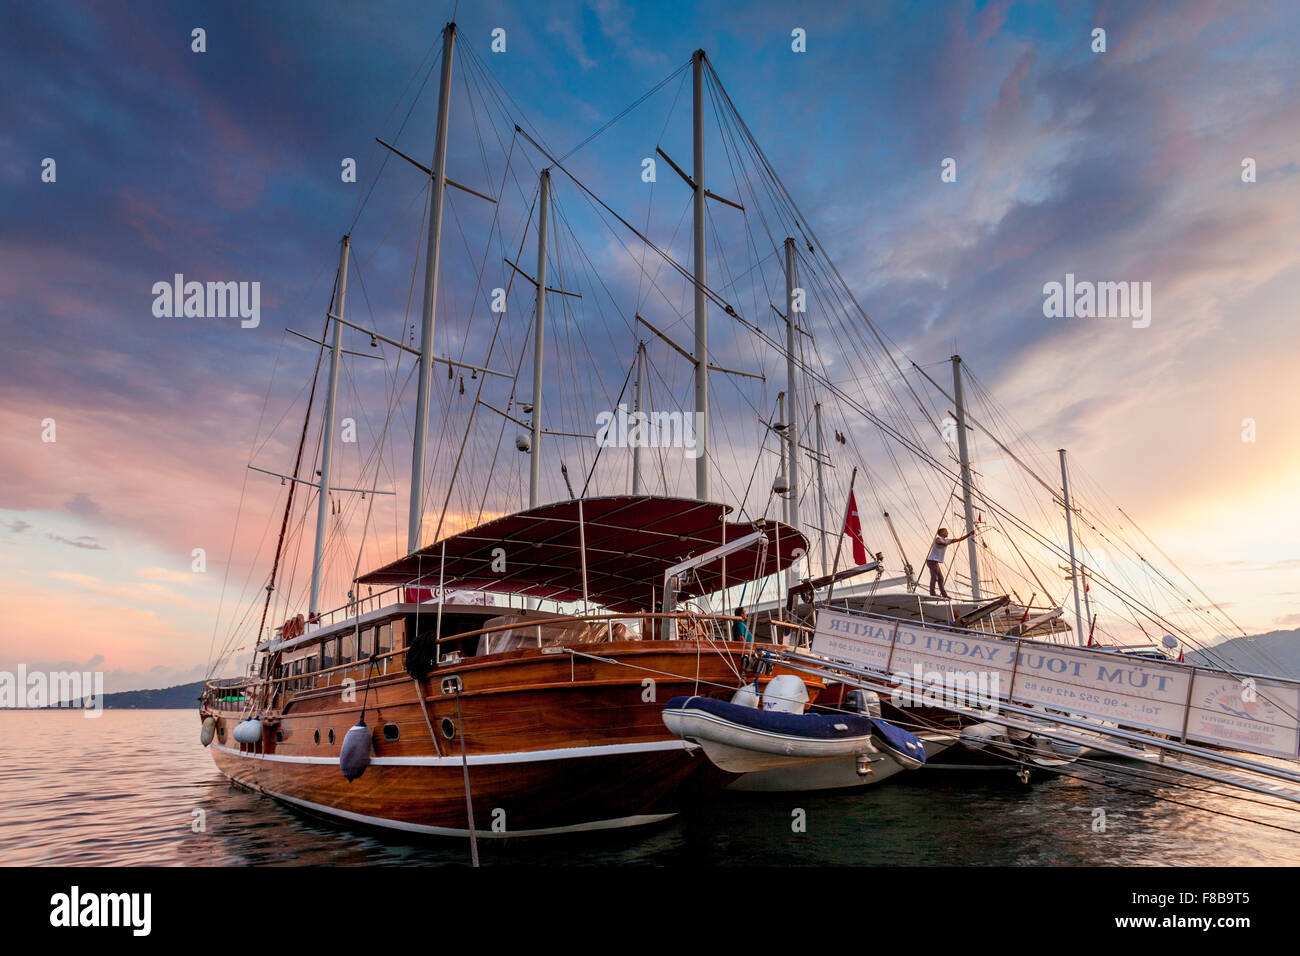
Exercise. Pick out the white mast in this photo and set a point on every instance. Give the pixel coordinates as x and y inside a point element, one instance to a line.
<point>971,549</point>
<point>701,312</point>
<point>432,261</point>
<point>1069,532</point>
<point>636,409</point>
<point>539,329</point>
<point>821,487</point>
<point>327,451</point>
<point>791,403</point>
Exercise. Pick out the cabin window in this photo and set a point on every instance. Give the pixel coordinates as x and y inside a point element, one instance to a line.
<point>348,653</point>
<point>384,638</point>
<point>367,643</point>
<point>329,653</point>
<point>390,731</point>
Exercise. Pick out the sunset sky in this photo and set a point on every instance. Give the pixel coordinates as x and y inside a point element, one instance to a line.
<point>1123,165</point>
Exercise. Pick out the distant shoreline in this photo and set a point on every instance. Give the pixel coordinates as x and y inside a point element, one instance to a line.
<point>74,709</point>
<point>180,697</point>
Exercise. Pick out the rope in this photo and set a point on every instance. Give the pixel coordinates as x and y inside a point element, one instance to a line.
<point>469,800</point>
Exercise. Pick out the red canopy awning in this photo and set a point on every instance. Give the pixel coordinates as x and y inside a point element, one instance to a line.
<point>631,540</point>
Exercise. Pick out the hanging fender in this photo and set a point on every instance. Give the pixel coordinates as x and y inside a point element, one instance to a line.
<point>354,755</point>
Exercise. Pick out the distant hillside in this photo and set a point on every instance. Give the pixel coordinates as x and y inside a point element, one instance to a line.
<point>1277,652</point>
<point>180,697</point>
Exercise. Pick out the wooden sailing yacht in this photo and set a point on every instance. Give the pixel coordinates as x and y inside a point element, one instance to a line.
<point>508,721</point>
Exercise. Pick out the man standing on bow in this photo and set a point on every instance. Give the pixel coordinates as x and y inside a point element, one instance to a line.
<point>935,561</point>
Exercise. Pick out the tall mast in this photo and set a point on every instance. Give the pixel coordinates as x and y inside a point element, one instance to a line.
<point>783,476</point>
<point>327,451</point>
<point>971,549</point>
<point>821,487</point>
<point>636,409</point>
<point>701,308</point>
<point>539,330</point>
<point>432,261</point>
<point>1069,532</point>
<point>791,400</point>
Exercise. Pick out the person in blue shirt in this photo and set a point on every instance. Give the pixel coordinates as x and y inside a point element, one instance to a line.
<point>739,630</point>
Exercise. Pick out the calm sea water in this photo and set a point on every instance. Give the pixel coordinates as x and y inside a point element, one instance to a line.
<point>122,790</point>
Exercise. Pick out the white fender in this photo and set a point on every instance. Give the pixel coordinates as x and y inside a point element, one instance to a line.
<point>785,694</point>
<point>249,732</point>
<point>745,696</point>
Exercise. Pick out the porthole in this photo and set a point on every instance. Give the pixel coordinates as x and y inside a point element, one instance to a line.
<point>221,732</point>
<point>317,736</point>
<point>331,735</point>
<point>448,728</point>
<point>279,736</point>
<point>390,731</point>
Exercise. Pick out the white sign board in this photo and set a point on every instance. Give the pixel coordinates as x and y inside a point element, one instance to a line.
<point>1254,714</point>
<point>1134,692</point>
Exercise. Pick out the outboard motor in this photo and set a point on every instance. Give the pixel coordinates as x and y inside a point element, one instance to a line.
<point>865,702</point>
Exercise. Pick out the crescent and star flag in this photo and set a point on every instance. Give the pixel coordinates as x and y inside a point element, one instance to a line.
<point>853,528</point>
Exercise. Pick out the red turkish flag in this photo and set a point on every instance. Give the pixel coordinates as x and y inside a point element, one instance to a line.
<point>853,528</point>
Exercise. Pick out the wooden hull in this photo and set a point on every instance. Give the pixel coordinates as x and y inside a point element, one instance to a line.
<point>515,798</point>
<point>554,742</point>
